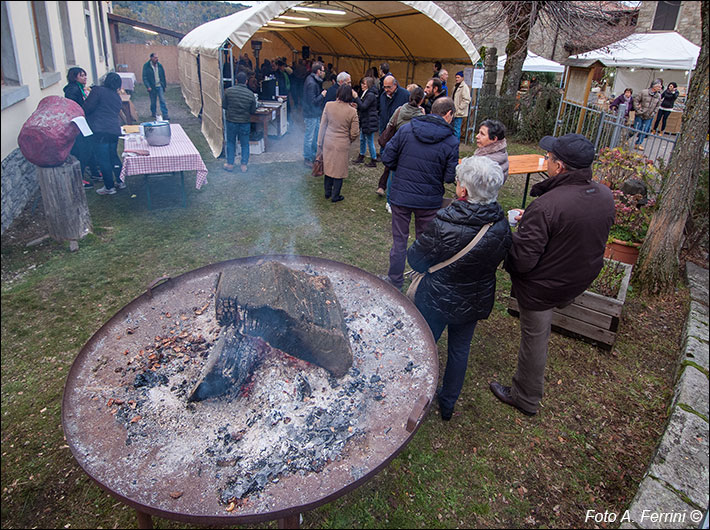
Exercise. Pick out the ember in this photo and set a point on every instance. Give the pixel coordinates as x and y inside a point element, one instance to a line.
<point>296,433</point>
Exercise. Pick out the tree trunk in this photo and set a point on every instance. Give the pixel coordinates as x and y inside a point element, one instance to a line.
<point>64,201</point>
<point>520,18</point>
<point>658,268</point>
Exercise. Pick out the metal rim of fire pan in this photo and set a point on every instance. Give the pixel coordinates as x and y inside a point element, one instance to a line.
<point>169,283</point>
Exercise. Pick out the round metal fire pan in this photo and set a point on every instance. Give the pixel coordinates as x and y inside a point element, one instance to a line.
<point>99,442</point>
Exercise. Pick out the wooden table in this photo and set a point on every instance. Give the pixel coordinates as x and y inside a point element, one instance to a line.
<point>263,116</point>
<point>526,165</point>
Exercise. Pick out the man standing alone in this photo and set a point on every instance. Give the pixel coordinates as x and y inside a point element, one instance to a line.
<point>313,102</point>
<point>557,253</point>
<point>154,81</point>
<point>239,104</point>
<point>423,155</point>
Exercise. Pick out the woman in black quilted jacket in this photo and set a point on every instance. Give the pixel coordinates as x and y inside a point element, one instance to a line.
<point>369,120</point>
<point>462,293</point>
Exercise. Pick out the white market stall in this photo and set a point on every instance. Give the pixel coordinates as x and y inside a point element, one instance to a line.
<point>535,63</point>
<point>642,57</point>
<point>354,36</point>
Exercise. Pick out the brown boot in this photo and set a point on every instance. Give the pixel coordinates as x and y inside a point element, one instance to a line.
<point>359,160</point>
<point>371,163</point>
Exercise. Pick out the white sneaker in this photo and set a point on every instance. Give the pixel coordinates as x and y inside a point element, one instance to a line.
<point>121,185</point>
<point>103,191</point>
<point>387,207</point>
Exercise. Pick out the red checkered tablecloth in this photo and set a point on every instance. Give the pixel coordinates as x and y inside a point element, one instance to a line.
<point>179,155</point>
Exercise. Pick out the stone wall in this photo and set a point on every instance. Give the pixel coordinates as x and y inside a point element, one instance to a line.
<point>19,184</point>
<point>674,493</point>
<point>688,24</point>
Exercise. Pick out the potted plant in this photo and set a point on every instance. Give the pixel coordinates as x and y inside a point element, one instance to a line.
<point>634,181</point>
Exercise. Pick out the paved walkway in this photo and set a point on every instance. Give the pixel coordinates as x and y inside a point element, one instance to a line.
<point>674,492</point>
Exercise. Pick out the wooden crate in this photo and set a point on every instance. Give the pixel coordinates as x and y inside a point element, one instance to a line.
<point>591,317</point>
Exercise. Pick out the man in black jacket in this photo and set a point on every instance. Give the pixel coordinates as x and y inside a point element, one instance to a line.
<point>313,103</point>
<point>557,253</point>
<point>155,84</point>
<point>239,103</point>
<point>433,90</point>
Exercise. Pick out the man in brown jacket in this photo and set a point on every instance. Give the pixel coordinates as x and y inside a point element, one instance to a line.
<point>557,253</point>
<point>646,103</point>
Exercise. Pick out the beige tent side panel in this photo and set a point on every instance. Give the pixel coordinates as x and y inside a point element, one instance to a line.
<point>212,103</point>
<point>189,80</point>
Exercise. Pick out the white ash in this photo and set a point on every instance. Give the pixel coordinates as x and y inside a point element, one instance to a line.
<point>294,419</point>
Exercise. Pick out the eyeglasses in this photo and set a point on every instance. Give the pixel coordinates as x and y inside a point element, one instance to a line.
<point>547,157</point>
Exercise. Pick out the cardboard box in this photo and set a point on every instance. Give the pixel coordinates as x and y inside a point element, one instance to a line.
<point>256,148</point>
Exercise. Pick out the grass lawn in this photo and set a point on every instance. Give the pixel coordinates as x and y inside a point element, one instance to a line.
<point>588,448</point>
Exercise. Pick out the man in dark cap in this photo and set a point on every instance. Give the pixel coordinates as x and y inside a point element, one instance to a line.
<point>557,253</point>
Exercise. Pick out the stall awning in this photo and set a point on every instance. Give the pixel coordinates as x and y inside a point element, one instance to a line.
<point>534,63</point>
<point>378,29</point>
<point>667,50</point>
<point>410,36</point>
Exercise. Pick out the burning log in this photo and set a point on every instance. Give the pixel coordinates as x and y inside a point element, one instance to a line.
<point>230,362</point>
<point>293,311</point>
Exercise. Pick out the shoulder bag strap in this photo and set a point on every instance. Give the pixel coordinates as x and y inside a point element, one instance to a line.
<point>461,253</point>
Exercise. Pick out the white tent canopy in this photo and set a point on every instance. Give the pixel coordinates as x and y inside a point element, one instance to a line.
<point>534,63</point>
<point>667,50</point>
<point>410,36</point>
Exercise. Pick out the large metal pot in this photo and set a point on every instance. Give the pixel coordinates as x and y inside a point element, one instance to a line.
<point>157,133</point>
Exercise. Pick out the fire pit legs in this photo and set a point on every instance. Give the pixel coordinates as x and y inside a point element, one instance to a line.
<point>291,521</point>
<point>144,520</point>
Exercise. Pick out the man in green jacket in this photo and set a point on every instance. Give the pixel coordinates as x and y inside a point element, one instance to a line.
<point>154,81</point>
<point>239,103</point>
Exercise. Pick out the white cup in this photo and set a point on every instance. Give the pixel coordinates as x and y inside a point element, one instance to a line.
<point>512,214</point>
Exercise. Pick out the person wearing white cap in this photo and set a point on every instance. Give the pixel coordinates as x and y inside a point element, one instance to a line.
<point>557,252</point>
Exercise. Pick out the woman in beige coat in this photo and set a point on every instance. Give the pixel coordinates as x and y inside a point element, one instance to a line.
<point>339,127</point>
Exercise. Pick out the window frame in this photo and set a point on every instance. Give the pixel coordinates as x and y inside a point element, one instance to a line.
<point>667,6</point>
<point>44,51</point>
<point>15,91</point>
<point>67,40</point>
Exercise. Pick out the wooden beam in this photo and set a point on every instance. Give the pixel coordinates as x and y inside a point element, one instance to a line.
<point>112,17</point>
<point>587,88</point>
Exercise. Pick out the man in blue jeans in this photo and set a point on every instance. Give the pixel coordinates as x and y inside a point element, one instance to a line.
<point>239,103</point>
<point>155,84</point>
<point>646,103</point>
<point>313,103</point>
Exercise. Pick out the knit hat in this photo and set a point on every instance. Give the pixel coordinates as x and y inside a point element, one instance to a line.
<point>460,74</point>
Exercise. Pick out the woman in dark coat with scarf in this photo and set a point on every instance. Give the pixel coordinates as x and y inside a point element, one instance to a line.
<point>102,108</point>
<point>368,115</point>
<point>463,292</point>
<point>75,90</point>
